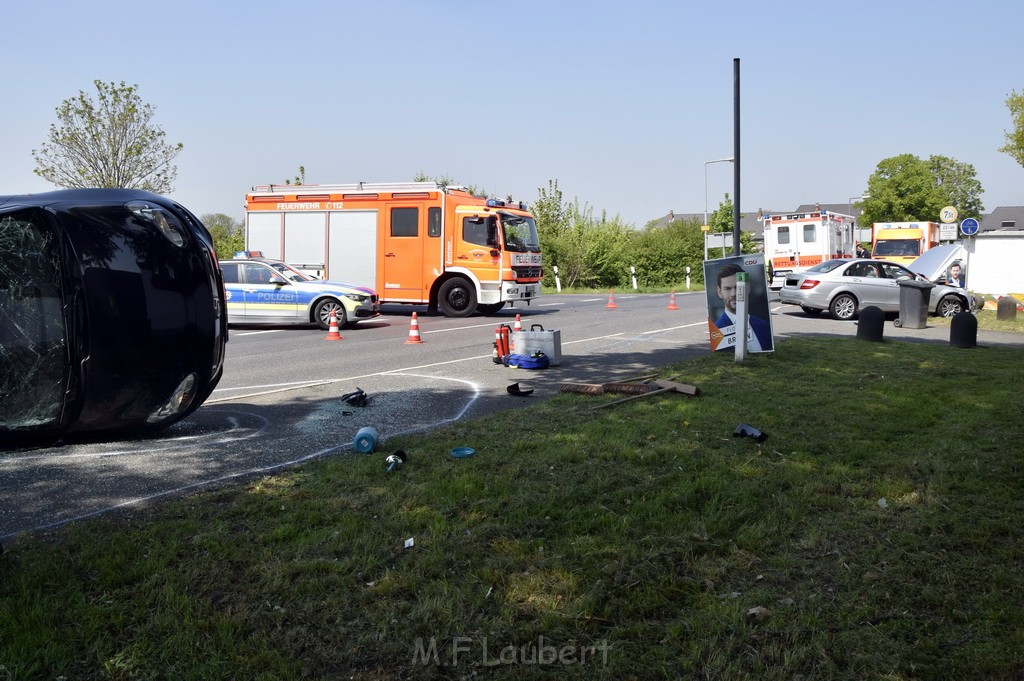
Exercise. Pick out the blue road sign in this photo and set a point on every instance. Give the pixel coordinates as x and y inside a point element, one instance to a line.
<point>969,227</point>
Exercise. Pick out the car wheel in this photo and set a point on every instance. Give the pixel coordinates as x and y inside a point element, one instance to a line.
<point>489,309</point>
<point>949,306</point>
<point>456,298</point>
<point>810,311</point>
<point>322,313</point>
<point>843,307</point>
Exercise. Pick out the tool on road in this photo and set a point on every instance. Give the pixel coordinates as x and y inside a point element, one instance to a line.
<point>664,386</point>
<point>602,388</point>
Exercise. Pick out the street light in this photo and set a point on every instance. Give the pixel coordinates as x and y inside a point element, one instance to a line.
<point>857,198</point>
<point>855,229</point>
<point>706,163</point>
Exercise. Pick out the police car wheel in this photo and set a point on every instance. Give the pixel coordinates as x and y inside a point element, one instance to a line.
<point>322,313</point>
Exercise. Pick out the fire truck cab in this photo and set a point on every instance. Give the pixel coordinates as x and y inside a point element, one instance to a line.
<point>416,242</point>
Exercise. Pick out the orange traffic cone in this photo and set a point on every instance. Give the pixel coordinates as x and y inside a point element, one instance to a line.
<point>332,329</point>
<point>672,302</point>
<point>611,300</point>
<point>518,326</point>
<point>414,331</point>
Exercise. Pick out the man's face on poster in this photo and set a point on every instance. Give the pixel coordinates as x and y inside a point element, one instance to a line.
<point>727,292</point>
<point>954,271</point>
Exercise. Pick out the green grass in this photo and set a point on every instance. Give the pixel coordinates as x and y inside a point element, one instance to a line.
<point>634,539</point>
<point>987,321</point>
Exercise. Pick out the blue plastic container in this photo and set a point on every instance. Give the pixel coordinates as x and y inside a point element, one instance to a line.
<point>366,440</point>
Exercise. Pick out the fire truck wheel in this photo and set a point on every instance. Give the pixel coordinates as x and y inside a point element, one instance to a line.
<point>489,309</point>
<point>456,298</point>
<point>843,307</point>
<point>322,313</point>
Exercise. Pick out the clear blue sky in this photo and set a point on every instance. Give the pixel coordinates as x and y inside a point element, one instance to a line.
<point>622,103</point>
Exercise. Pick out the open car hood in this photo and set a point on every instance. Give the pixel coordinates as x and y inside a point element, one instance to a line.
<point>935,262</point>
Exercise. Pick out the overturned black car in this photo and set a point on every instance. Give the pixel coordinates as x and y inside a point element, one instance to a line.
<point>112,314</point>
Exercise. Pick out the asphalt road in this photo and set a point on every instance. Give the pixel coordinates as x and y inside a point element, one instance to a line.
<point>278,403</point>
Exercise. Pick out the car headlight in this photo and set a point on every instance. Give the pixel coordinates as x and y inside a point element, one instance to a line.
<point>153,214</point>
<point>359,298</point>
<point>178,402</point>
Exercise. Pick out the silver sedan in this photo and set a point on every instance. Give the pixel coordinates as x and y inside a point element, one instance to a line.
<point>844,286</point>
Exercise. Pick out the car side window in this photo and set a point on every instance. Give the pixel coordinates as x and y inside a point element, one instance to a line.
<point>891,271</point>
<point>230,272</point>
<point>859,270</point>
<point>256,273</point>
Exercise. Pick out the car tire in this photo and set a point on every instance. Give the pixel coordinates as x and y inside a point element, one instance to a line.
<point>456,298</point>
<point>322,313</point>
<point>843,307</point>
<point>490,308</point>
<point>811,311</point>
<point>949,306</point>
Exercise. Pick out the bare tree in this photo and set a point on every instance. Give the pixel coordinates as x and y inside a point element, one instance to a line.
<point>109,141</point>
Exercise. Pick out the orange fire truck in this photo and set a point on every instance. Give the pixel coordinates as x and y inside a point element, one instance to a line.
<point>794,242</point>
<point>415,242</point>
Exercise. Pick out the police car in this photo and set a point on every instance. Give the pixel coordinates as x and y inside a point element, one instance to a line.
<point>265,291</point>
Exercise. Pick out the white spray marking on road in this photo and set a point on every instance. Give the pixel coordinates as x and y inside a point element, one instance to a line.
<point>261,469</point>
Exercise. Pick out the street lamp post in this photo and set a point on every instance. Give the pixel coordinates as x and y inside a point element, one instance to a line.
<point>706,164</point>
<point>853,232</point>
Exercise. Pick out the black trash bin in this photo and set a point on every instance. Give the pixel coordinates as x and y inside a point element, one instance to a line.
<point>915,297</point>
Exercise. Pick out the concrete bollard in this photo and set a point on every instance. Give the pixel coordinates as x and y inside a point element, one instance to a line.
<point>870,323</point>
<point>1006,309</point>
<point>963,330</point>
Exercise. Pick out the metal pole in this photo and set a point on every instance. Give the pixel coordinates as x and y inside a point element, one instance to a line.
<point>736,156</point>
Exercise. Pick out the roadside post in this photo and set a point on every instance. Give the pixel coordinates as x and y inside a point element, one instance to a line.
<point>969,227</point>
<point>742,323</point>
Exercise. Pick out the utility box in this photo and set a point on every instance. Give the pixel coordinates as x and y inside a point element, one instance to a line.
<point>538,340</point>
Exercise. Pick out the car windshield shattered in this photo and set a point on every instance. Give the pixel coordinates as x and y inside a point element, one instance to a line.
<point>520,233</point>
<point>33,360</point>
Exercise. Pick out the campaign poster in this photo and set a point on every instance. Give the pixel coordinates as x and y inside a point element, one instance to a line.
<point>720,280</point>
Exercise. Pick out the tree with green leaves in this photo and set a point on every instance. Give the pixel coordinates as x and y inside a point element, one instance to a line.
<point>905,188</point>
<point>107,140</point>
<point>228,234</point>
<point>446,181</point>
<point>587,250</point>
<point>300,177</point>
<point>1015,140</point>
